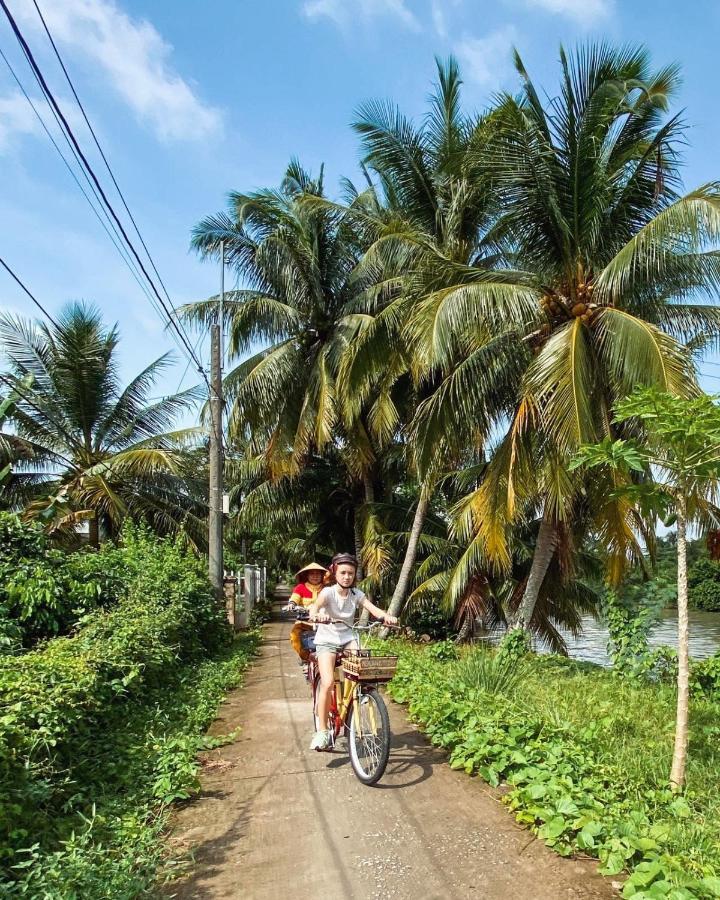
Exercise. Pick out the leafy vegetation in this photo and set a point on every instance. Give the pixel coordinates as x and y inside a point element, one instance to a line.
<point>84,448</point>
<point>101,727</point>
<point>585,755</point>
<point>44,591</point>
<point>677,469</point>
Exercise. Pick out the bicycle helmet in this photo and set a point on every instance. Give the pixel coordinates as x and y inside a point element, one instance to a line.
<point>346,558</point>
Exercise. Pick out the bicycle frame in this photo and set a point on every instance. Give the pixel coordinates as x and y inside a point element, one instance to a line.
<point>345,692</point>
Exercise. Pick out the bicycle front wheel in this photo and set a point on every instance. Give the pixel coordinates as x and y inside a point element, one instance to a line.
<point>369,737</point>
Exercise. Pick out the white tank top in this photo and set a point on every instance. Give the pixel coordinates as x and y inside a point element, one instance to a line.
<point>337,608</point>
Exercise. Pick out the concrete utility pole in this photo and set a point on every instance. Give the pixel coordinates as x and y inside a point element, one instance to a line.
<point>215,523</point>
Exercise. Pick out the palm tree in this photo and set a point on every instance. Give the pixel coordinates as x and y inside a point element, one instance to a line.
<point>592,226</point>
<point>435,207</point>
<point>88,448</point>
<point>295,259</point>
<point>295,255</point>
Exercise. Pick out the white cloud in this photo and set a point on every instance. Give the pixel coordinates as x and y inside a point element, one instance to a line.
<point>16,118</point>
<point>487,60</point>
<point>438,17</point>
<point>583,11</point>
<point>438,12</point>
<point>343,12</point>
<point>134,57</point>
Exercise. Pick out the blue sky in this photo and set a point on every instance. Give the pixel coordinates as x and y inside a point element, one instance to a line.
<point>191,100</point>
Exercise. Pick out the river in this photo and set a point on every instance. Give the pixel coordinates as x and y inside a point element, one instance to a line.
<point>591,645</point>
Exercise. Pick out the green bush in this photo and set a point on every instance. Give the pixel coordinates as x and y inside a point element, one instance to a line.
<point>490,672</point>
<point>586,756</point>
<point>58,698</point>
<point>429,619</point>
<point>45,592</point>
<point>704,584</point>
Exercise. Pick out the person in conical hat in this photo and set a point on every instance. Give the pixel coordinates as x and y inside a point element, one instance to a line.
<point>305,593</point>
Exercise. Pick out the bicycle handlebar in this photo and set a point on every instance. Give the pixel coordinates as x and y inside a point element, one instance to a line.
<point>293,607</point>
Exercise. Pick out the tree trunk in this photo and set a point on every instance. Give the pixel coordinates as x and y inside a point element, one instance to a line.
<point>94,532</point>
<point>358,545</point>
<point>466,630</point>
<point>403,582</point>
<point>544,550</point>
<point>369,498</point>
<point>677,773</point>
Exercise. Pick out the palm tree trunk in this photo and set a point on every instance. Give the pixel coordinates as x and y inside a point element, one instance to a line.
<point>94,532</point>
<point>369,498</point>
<point>677,772</point>
<point>403,582</point>
<point>544,550</point>
<point>358,545</point>
<point>466,630</point>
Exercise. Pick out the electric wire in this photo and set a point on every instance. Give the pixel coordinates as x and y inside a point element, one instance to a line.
<point>27,291</point>
<point>100,149</point>
<point>117,240</point>
<point>134,271</point>
<point>66,128</point>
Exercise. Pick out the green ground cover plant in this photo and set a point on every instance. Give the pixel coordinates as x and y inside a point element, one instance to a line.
<point>100,729</point>
<point>585,755</point>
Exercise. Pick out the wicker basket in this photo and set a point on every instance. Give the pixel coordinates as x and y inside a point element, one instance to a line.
<point>364,667</point>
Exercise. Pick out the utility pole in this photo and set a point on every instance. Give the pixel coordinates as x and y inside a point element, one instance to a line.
<point>215,523</point>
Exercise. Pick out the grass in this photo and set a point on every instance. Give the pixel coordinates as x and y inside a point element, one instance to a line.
<point>586,754</point>
<point>630,725</point>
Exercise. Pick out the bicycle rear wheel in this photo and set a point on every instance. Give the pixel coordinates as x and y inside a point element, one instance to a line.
<point>369,737</point>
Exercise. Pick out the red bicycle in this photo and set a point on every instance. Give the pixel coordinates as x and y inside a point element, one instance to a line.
<point>357,709</point>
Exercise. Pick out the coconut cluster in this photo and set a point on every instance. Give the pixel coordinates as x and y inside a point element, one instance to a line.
<point>582,308</point>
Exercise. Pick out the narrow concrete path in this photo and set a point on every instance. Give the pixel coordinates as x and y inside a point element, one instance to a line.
<point>276,820</point>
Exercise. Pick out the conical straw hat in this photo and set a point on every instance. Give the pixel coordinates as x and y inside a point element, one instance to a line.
<point>311,567</point>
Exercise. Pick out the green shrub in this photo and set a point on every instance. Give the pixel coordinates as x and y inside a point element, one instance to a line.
<point>429,619</point>
<point>443,651</point>
<point>58,698</point>
<point>489,672</point>
<point>586,757</point>
<point>45,592</point>
<point>704,584</point>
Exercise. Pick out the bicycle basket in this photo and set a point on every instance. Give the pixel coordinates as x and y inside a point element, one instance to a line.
<point>369,668</point>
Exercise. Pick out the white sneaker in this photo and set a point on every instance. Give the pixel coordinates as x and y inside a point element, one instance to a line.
<point>320,741</point>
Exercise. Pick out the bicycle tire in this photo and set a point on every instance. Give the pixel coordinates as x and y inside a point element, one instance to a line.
<point>369,751</point>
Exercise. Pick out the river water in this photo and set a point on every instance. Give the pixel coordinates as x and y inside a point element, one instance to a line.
<point>591,645</point>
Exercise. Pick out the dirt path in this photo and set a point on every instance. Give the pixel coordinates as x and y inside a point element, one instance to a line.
<point>276,820</point>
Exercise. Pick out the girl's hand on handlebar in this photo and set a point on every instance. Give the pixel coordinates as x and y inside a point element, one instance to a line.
<point>321,616</point>
<point>390,620</point>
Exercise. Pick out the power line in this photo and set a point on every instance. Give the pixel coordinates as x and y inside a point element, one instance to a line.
<point>134,271</point>
<point>100,149</point>
<point>28,292</point>
<point>66,127</point>
<point>12,384</point>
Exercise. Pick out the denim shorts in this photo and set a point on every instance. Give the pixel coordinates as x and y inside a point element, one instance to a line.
<point>307,639</point>
<point>328,647</point>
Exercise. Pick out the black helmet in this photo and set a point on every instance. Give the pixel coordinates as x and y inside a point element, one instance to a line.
<point>346,558</point>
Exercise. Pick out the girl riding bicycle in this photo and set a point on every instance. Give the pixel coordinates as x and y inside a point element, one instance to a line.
<point>338,602</point>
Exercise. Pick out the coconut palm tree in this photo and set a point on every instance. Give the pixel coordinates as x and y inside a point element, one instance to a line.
<point>489,599</point>
<point>295,255</point>
<point>89,449</point>
<point>294,259</point>
<point>592,225</point>
<point>438,217</point>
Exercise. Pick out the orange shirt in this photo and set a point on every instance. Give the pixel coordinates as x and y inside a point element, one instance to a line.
<point>305,594</point>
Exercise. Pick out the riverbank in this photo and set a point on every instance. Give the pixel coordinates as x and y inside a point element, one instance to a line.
<point>590,645</point>
<point>585,756</point>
